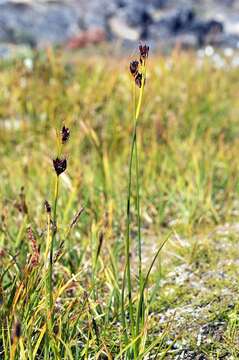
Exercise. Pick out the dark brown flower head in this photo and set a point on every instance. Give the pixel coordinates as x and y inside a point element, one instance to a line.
<point>133,66</point>
<point>47,207</point>
<point>138,80</point>
<point>60,165</point>
<point>65,134</point>
<point>144,52</point>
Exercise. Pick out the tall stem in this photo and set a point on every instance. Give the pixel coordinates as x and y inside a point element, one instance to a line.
<point>50,256</point>
<point>128,267</point>
<point>138,200</point>
<point>127,242</point>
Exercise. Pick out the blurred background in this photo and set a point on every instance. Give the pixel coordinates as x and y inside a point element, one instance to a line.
<point>73,24</point>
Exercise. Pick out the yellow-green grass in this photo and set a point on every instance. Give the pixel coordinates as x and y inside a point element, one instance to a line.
<point>188,149</point>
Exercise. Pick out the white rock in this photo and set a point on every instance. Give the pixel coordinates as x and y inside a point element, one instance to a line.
<point>122,30</point>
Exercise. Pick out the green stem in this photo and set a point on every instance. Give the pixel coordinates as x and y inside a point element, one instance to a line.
<point>128,268</point>
<point>140,310</point>
<point>138,200</point>
<point>50,260</point>
<point>123,310</point>
<point>127,242</point>
<point>56,193</point>
<point>50,315</point>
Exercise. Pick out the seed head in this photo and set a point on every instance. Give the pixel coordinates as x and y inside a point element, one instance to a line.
<point>65,134</point>
<point>60,165</point>
<point>133,66</point>
<point>138,80</point>
<point>144,52</point>
<point>47,207</point>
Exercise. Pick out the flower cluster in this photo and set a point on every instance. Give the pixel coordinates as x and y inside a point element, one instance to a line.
<point>65,134</point>
<point>60,164</point>
<point>134,66</point>
<point>144,53</point>
<point>47,207</point>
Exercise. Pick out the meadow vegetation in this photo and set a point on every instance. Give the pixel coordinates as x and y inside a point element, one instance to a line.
<point>74,304</point>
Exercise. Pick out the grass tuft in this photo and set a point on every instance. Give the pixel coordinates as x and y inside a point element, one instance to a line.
<point>84,278</point>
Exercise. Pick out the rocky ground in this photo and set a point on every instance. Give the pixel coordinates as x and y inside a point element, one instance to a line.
<point>201,300</point>
<point>77,23</point>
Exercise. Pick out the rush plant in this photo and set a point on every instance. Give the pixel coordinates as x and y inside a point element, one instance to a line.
<point>137,307</point>
<point>82,277</point>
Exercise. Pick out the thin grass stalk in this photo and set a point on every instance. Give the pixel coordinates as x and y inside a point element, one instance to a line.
<point>50,287</point>
<point>138,200</point>
<point>5,351</point>
<point>123,309</point>
<point>53,234</point>
<point>49,255</point>
<point>139,243</point>
<point>127,242</point>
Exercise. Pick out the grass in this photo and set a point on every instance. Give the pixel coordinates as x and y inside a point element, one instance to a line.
<point>187,187</point>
